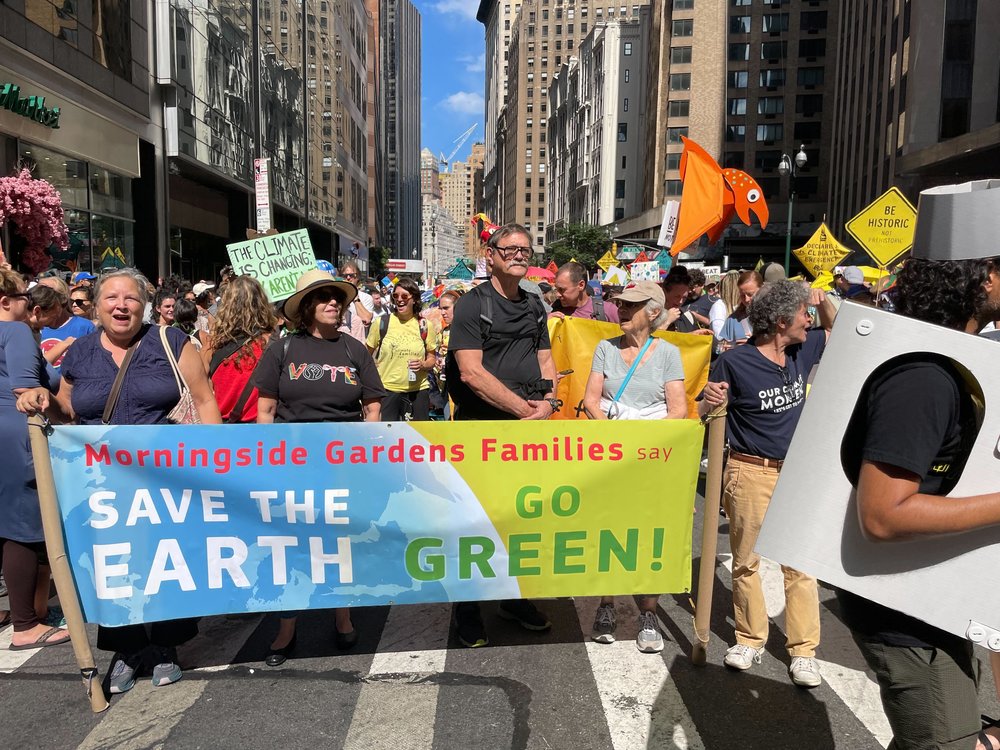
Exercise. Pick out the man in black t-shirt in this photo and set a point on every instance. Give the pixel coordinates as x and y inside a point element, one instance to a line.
<point>905,448</point>
<point>500,366</point>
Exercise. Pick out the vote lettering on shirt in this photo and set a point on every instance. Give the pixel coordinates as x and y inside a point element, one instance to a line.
<point>317,371</point>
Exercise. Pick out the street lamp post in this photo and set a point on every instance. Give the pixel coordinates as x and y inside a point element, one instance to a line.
<point>788,168</point>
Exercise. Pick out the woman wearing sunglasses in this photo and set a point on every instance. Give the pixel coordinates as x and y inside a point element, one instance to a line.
<point>636,376</point>
<point>81,302</point>
<point>404,348</point>
<point>317,374</point>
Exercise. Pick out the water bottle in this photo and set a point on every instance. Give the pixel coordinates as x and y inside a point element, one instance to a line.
<point>411,375</point>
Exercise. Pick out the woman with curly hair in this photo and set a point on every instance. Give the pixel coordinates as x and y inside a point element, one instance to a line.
<point>764,384</point>
<point>242,330</point>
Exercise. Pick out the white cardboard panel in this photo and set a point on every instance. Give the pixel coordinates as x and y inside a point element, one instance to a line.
<point>811,524</point>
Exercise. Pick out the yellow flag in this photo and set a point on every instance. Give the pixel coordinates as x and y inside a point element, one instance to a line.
<point>575,339</point>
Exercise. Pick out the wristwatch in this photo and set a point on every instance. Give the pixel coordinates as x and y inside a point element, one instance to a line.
<point>555,403</point>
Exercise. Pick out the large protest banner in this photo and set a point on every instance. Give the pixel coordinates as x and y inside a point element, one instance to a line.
<point>209,520</point>
<point>575,339</point>
<point>275,260</point>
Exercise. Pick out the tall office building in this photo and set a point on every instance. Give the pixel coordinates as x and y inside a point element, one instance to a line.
<point>461,196</point>
<point>400,25</point>
<point>595,129</point>
<point>373,109</point>
<point>498,18</point>
<point>543,37</point>
<point>916,98</point>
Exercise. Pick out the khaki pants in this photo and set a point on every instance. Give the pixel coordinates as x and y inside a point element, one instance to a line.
<point>747,491</point>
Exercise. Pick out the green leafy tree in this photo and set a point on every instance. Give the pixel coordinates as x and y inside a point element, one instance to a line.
<point>584,242</point>
<point>377,258</point>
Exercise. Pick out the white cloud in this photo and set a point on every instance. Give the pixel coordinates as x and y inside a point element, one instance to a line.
<point>463,8</point>
<point>466,102</point>
<point>474,64</point>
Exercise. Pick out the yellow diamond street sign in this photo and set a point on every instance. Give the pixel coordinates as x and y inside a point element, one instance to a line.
<point>885,227</point>
<point>607,260</point>
<point>822,252</point>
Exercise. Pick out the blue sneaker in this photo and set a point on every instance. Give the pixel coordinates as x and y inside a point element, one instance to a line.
<point>122,677</point>
<point>166,672</point>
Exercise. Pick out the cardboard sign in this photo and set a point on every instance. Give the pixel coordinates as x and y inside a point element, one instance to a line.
<point>822,252</point>
<point>949,581</point>
<point>220,519</point>
<point>276,261</point>
<point>616,276</point>
<point>668,225</point>
<point>885,227</point>
<point>646,271</point>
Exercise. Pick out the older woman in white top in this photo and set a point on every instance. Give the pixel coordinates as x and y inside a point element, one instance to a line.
<point>636,376</point>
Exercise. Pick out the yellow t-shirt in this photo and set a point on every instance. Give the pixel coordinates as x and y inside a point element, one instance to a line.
<point>403,342</point>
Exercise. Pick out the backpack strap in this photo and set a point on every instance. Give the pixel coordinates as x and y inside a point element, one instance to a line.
<point>598,313</point>
<point>383,329</point>
<point>485,315</point>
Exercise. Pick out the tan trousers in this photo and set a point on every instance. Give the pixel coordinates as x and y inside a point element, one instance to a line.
<point>747,491</point>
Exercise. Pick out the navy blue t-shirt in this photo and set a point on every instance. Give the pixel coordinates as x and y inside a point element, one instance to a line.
<point>765,400</point>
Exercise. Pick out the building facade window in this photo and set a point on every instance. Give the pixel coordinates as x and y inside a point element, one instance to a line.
<point>812,20</point>
<point>673,161</point>
<point>674,187</point>
<point>625,104</point>
<point>680,55</point>
<point>810,76</point>
<point>739,51</point>
<point>679,108</point>
<point>772,77</point>
<point>682,27</point>
<point>773,50</point>
<point>771,105</point>
<point>737,79</point>
<point>736,133</point>
<point>739,24</point>
<point>680,81</point>
<point>737,106</point>
<point>772,22</point>
<point>770,133</point>
<point>622,132</point>
<point>809,104</point>
<point>619,189</point>
<point>674,134</point>
<point>683,4</point>
<point>627,49</point>
<point>807,131</point>
<point>812,47</point>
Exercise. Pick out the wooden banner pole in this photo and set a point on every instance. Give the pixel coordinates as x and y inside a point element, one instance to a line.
<point>56,548</point>
<point>709,535</point>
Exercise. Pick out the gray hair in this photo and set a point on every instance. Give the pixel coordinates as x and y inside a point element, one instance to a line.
<point>776,302</point>
<point>141,282</point>
<point>655,321</point>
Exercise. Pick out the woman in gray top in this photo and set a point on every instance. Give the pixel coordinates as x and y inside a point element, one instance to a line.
<point>635,376</point>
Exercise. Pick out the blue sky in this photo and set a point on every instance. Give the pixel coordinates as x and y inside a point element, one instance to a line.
<point>453,66</point>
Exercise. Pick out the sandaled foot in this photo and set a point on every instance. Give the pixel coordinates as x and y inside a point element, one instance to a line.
<point>51,637</point>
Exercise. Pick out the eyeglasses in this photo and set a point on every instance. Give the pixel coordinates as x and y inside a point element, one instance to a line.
<point>79,302</point>
<point>512,251</point>
<point>629,303</point>
<point>18,295</point>
<point>401,298</point>
<point>323,296</point>
<point>350,276</point>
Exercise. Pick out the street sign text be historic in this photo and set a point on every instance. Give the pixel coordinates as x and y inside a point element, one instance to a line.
<point>885,227</point>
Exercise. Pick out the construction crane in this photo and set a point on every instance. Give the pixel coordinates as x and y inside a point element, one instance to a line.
<point>460,141</point>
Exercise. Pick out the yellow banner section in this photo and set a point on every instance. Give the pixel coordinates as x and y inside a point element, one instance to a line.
<point>575,339</point>
<point>582,509</point>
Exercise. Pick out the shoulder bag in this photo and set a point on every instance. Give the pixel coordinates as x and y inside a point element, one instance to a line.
<point>185,412</point>
<point>615,408</point>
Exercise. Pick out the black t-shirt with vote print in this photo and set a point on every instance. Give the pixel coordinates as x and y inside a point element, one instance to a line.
<point>318,380</point>
<point>765,400</point>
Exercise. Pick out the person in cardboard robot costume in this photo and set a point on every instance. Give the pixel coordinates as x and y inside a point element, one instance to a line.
<point>906,446</point>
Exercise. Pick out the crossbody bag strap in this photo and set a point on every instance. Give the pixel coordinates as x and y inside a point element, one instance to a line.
<point>172,360</point>
<point>116,387</point>
<point>631,370</point>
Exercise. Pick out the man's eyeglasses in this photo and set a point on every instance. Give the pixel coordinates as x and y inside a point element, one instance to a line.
<point>512,251</point>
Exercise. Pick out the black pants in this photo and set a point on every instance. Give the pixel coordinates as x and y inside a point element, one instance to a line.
<point>131,639</point>
<point>417,404</point>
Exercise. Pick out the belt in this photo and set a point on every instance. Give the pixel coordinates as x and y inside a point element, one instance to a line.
<point>767,463</point>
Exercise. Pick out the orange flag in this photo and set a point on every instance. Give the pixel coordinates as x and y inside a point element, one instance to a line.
<point>701,197</point>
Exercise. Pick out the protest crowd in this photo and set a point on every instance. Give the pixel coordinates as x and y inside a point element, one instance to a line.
<point>118,349</point>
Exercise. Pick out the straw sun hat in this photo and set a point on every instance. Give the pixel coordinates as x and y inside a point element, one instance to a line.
<point>311,281</point>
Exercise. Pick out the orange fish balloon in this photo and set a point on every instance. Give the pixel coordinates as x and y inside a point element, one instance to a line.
<point>711,196</point>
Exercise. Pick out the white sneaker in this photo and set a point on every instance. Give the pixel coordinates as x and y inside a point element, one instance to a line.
<point>742,657</point>
<point>805,672</point>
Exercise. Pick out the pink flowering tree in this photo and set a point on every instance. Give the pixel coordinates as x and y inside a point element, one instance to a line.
<point>34,207</point>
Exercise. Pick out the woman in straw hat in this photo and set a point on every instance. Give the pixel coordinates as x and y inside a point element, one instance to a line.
<point>349,390</point>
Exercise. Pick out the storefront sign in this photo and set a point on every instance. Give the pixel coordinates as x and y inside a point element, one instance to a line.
<point>32,107</point>
<point>275,260</point>
<point>214,519</point>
